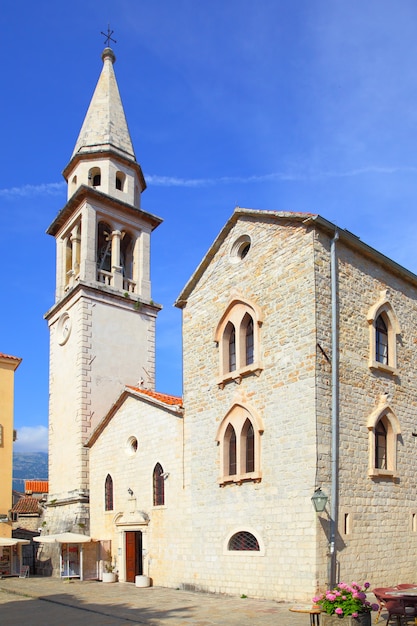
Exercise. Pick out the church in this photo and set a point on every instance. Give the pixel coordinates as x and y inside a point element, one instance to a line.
<point>289,463</point>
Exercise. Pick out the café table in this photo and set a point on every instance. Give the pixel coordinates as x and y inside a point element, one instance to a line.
<point>312,611</point>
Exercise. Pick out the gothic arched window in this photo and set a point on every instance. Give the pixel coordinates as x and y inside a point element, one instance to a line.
<point>237,335</point>
<point>239,438</point>
<point>381,341</point>
<point>108,493</point>
<point>380,446</point>
<point>158,486</point>
<point>384,328</point>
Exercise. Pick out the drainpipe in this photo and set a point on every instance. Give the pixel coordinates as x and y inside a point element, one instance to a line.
<point>335,416</point>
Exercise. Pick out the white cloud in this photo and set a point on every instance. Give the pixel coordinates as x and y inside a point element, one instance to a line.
<point>31,439</point>
<point>27,191</point>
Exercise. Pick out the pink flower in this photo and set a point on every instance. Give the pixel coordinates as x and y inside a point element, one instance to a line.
<point>355,614</point>
<point>339,611</point>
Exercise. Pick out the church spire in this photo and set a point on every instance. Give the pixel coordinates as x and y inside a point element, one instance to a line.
<point>105,127</point>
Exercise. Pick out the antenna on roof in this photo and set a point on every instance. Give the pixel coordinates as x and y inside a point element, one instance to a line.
<point>108,36</point>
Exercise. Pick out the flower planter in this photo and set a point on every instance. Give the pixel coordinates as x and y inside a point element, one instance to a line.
<point>363,619</point>
<point>109,577</point>
<point>142,581</point>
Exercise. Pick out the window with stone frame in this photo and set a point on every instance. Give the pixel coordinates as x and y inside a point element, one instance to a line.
<point>381,446</point>
<point>238,339</point>
<point>158,486</point>
<point>243,540</point>
<point>381,340</point>
<point>384,429</point>
<point>384,328</point>
<point>239,440</point>
<point>108,493</point>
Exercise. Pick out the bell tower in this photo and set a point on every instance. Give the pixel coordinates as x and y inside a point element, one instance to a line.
<point>102,324</point>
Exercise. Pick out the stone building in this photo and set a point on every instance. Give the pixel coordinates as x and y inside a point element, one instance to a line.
<point>299,360</point>
<point>103,302</point>
<point>8,366</point>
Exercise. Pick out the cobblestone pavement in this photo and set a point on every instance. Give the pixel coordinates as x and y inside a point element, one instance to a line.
<point>42,601</point>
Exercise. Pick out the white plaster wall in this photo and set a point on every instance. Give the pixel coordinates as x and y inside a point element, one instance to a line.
<point>159,435</point>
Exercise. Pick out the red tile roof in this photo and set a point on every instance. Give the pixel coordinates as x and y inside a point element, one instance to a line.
<point>37,486</point>
<point>10,358</point>
<point>162,397</point>
<point>26,505</point>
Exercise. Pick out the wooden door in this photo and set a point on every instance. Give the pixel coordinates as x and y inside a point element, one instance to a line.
<point>133,555</point>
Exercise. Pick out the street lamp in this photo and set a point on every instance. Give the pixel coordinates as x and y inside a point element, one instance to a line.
<point>319,500</point>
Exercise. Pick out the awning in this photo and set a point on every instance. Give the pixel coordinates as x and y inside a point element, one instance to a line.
<point>11,541</point>
<point>63,538</point>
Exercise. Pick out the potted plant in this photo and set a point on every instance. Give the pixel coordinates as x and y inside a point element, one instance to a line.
<point>347,602</point>
<point>109,574</point>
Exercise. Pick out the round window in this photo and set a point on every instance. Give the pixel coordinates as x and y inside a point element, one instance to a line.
<point>240,248</point>
<point>131,446</point>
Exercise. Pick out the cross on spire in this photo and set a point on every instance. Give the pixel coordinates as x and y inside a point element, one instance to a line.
<point>108,36</point>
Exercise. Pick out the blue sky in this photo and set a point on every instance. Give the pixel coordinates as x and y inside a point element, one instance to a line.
<point>305,105</point>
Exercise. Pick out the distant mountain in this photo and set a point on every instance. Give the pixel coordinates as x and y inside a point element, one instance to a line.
<point>29,466</point>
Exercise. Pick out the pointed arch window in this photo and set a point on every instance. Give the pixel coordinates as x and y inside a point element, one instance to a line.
<point>249,446</point>
<point>384,328</point>
<point>231,451</point>
<point>158,486</point>
<point>380,446</point>
<point>239,438</point>
<point>381,340</point>
<point>108,493</point>
<point>384,429</point>
<point>247,325</point>
<point>237,336</point>
<point>232,347</point>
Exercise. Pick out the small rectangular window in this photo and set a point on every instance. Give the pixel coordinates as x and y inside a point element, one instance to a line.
<point>346,524</point>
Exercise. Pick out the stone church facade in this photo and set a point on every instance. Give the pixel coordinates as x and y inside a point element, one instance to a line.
<point>299,361</point>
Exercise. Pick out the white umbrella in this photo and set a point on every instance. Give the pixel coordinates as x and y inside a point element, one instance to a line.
<point>6,542</point>
<point>63,538</point>
<point>11,541</point>
<point>66,538</point>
